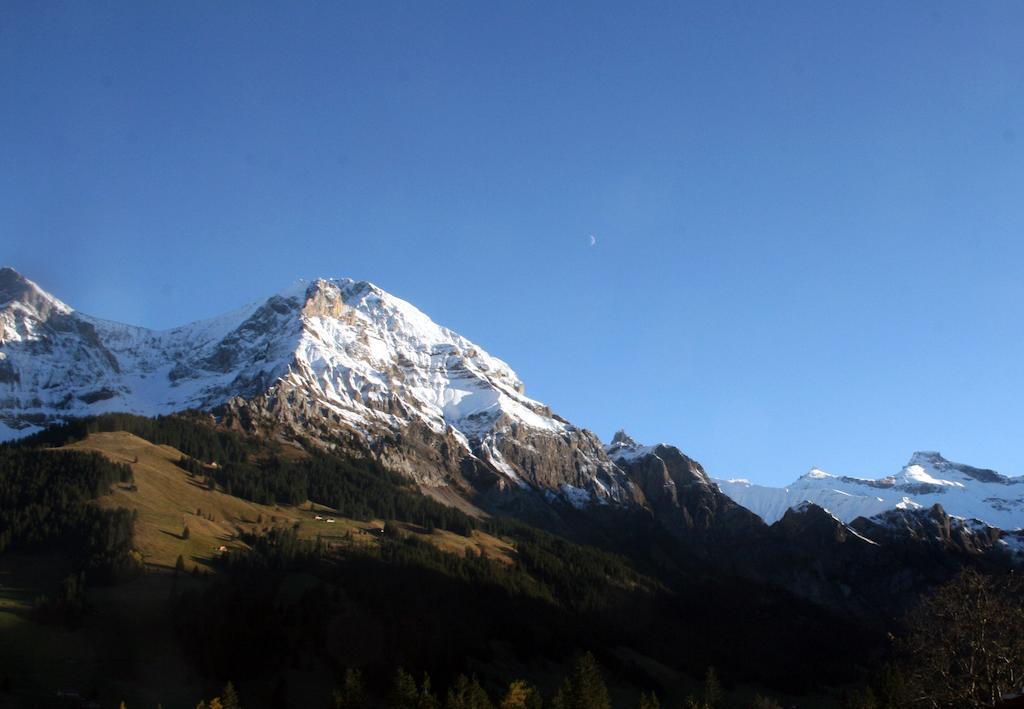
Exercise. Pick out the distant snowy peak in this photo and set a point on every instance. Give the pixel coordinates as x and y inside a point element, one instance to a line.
<point>816,474</point>
<point>927,479</point>
<point>933,465</point>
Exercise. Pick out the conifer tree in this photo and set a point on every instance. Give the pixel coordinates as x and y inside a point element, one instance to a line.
<point>521,695</point>
<point>229,697</point>
<point>427,699</point>
<point>584,688</point>
<point>712,689</point>
<point>649,701</point>
<point>404,694</point>
<point>467,693</point>
<point>352,694</point>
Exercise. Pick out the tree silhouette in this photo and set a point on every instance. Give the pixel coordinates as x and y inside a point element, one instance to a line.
<point>965,646</point>
<point>467,693</point>
<point>404,694</point>
<point>229,697</point>
<point>712,689</point>
<point>352,694</point>
<point>584,688</point>
<point>521,695</point>
<point>649,701</point>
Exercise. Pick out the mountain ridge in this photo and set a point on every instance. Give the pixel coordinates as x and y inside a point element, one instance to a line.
<point>336,360</point>
<point>927,479</point>
<point>327,358</point>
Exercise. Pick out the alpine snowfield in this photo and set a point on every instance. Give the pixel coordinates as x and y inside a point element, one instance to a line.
<point>927,479</point>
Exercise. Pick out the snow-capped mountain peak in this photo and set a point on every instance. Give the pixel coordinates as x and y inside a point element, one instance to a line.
<point>934,465</point>
<point>361,344</point>
<point>350,339</point>
<point>15,287</point>
<point>816,474</point>
<point>23,306</point>
<point>325,357</point>
<point>927,479</point>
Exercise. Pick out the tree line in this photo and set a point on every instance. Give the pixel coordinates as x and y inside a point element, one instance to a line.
<point>45,505</point>
<point>189,432</point>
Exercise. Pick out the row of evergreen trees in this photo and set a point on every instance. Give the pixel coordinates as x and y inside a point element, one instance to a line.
<point>189,432</point>
<point>583,687</point>
<point>44,506</point>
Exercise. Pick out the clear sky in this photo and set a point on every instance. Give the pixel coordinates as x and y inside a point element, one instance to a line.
<point>808,216</point>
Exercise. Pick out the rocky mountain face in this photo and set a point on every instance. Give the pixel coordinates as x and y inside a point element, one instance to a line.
<point>881,562</point>
<point>927,479</point>
<point>679,492</point>
<point>329,360</point>
<point>942,534</point>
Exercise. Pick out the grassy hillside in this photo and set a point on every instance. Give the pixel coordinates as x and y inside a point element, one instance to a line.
<point>168,499</point>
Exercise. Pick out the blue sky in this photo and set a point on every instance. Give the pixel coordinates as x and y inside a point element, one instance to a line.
<point>808,215</point>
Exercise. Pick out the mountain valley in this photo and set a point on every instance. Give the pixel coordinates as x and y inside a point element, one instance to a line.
<point>334,432</point>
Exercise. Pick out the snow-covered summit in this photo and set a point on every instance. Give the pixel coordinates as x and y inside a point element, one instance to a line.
<point>23,305</point>
<point>926,479</point>
<point>355,342</point>
<point>816,474</point>
<point>363,348</point>
<point>329,354</point>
